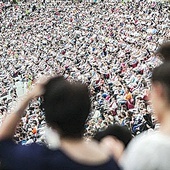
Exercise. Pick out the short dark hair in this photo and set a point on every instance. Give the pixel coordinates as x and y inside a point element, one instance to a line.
<point>67,106</point>
<point>161,74</point>
<point>122,133</point>
<point>164,51</point>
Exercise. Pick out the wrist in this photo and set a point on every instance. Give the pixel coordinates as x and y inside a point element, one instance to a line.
<point>22,104</point>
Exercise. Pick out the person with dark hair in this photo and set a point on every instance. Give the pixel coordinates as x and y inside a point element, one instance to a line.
<point>164,51</point>
<point>111,137</point>
<point>151,150</point>
<point>122,133</point>
<point>71,102</point>
<point>67,106</point>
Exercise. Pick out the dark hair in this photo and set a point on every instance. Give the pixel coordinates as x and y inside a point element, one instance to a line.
<point>122,133</point>
<point>161,74</point>
<point>164,51</point>
<point>67,106</point>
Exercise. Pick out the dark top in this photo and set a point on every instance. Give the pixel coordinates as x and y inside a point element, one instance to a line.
<point>38,157</point>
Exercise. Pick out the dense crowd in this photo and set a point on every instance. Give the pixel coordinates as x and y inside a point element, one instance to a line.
<point>110,46</point>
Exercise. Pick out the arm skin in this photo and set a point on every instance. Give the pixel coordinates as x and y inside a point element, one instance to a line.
<point>9,125</point>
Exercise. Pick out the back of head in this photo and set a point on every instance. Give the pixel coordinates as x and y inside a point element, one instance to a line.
<point>122,133</point>
<point>67,106</point>
<point>164,51</point>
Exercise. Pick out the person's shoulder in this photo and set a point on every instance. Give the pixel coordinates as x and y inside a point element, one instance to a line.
<point>149,138</point>
<point>17,156</point>
<point>6,144</point>
<point>145,151</point>
<point>142,140</point>
<point>33,148</point>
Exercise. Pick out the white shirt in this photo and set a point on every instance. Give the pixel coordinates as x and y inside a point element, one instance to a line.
<point>148,151</point>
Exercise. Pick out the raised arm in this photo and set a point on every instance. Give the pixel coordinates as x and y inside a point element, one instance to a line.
<point>9,125</point>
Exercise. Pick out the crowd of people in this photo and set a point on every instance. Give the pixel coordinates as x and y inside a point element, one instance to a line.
<point>110,46</point>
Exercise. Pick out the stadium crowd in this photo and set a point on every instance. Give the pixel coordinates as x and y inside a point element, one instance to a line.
<point>110,46</point>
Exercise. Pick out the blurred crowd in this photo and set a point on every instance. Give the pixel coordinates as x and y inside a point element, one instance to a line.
<point>109,45</point>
